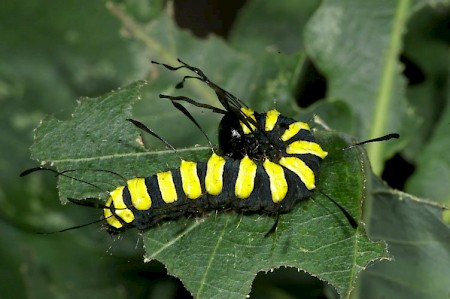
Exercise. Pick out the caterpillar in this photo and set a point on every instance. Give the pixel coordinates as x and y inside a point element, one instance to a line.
<point>265,163</point>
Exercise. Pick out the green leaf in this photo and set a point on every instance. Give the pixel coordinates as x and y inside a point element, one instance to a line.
<point>433,165</point>
<point>227,250</point>
<point>417,238</point>
<point>364,70</point>
<point>429,150</point>
<point>428,67</point>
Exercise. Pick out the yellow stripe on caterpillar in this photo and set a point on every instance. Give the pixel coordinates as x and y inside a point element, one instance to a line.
<point>249,113</point>
<point>302,170</point>
<point>278,184</point>
<point>293,130</point>
<point>120,209</point>
<point>167,186</point>
<point>190,179</point>
<point>140,197</point>
<point>214,174</point>
<point>271,119</point>
<point>305,147</point>
<point>245,181</point>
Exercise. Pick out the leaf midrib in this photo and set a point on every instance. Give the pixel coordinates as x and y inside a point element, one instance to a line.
<point>126,155</point>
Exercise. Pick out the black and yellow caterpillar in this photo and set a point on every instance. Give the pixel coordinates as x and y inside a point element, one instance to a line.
<point>266,163</point>
<point>272,185</point>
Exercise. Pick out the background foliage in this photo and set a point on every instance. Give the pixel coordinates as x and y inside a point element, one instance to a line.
<point>386,69</point>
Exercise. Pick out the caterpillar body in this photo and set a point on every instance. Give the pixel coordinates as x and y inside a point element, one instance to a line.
<point>265,166</point>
